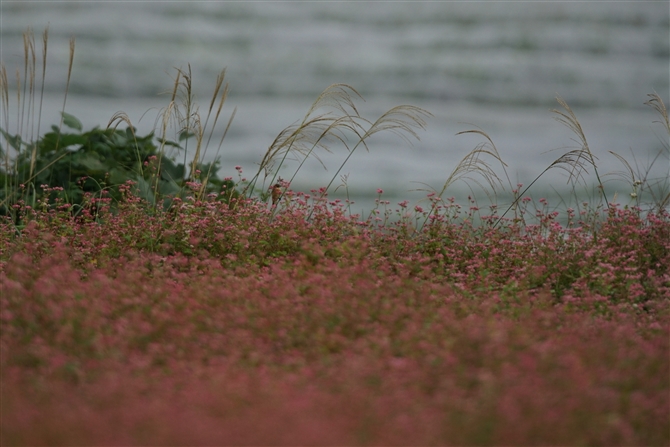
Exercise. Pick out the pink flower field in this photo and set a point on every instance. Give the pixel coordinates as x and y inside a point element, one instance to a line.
<point>218,324</point>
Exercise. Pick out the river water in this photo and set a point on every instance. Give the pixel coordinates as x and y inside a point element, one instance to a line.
<point>497,66</point>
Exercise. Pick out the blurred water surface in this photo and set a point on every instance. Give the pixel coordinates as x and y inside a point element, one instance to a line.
<point>495,65</point>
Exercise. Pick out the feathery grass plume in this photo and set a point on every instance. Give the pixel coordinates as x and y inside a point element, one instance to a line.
<point>345,184</point>
<point>28,75</point>
<point>569,119</point>
<point>29,69</point>
<point>628,174</point>
<point>297,140</point>
<point>574,162</point>
<point>200,128</point>
<point>475,162</point>
<point>167,115</point>
<point>638,178</point>
<point>316,133</point>
<point>25,89</point>
<point>333,130</point>
<point>640,182</point>
<point>340,97</point>
<point>184,87</point>
<point>5,154</point>
<point>222,99</point>
<point>67,84</point>
<point>60,125</point>
<point>657,103</point>
<point>400,120</point>
<point>187,120</point>
<point>300,140</point>
<point>4,92</point>
<point>183,114</point>
<point>192,122</point>
<point>664,192</point>
<point>25,112</point>
<point>45,40</point>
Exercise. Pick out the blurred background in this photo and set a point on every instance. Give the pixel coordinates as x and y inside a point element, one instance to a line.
<point>497,66</point>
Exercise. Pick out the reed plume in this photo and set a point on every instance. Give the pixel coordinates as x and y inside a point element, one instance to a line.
<point>315,131</point>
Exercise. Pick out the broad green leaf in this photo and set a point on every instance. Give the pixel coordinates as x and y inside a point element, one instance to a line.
<point>119,139</point>
<point>170,171</point>
<point>52,142</point>
<point>69,139</point>
<point>130,133</point>
<point>13,140</point>
<point>168,188</point>
<point>71,121</point>
<point>92,163</point>
<point>119,176</point>
<point>145,190</point>
<point>169,143</point>
<point>185,135</point>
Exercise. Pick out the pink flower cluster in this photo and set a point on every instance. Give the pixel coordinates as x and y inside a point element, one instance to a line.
<point>212,324</point>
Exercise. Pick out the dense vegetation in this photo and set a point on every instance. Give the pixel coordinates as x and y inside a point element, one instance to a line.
<point>146,301</point>
<point>212,324</point>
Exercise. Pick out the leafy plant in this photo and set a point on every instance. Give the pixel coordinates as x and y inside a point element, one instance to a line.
<point>79,167</point>
<point>81,164</point>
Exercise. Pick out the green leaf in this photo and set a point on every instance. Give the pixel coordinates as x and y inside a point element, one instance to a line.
<point>119,176</point>
<point>145,191</point>
<point>71,121</point>
<point>167,142</point>
<point>170,171</point>
<point>13,140</point>
<point>168,188</point>
<point>52,142</point>
<point>92,163</point>
<point>70,139</point>
<point>183,135</point>
<point>120,140</point>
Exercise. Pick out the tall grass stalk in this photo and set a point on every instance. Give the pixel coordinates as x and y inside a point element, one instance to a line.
<point>182,114</point>
<point>222,99</point>
<point>27,115</point>
<point>164,117</point>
